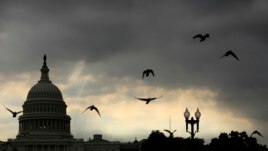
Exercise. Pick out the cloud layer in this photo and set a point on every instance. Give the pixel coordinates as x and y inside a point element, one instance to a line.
<point>97,51</point>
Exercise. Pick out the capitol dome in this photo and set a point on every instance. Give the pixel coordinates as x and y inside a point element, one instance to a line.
<point>44,111</point>
<point>44,90</point>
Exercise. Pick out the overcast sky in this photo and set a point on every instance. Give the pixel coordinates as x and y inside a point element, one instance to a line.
<point>97,51</point>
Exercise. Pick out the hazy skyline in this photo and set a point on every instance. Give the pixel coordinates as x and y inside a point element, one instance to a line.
<point>97,51</point>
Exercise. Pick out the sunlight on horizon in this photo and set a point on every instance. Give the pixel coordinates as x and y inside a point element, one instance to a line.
<point>123,116</point>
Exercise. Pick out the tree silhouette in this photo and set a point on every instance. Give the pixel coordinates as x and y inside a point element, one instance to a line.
<point>157,141</point>
<point>234,141</point>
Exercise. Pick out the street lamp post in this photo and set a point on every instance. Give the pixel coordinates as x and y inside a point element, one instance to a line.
<point>192,122</point>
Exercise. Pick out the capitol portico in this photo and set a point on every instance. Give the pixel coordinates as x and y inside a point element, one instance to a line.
<point>45,126</point>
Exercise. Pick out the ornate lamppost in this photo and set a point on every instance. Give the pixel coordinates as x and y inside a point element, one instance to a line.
<point>192,122</point>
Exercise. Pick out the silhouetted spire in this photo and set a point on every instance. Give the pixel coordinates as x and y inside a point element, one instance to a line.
<point>135,141</point>
<point>45,61</point>
<point>44,70</point>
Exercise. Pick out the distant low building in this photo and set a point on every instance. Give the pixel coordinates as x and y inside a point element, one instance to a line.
<point>45,126</point>
<point>99,144</point>
<point>131,146</point>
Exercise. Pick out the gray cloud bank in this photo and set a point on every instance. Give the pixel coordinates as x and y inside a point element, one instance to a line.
<point>121,38</point>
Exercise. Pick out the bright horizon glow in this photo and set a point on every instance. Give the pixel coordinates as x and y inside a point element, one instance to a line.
<point>124,117</point>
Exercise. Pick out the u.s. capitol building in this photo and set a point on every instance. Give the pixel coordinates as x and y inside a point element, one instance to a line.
<point>45,126</point>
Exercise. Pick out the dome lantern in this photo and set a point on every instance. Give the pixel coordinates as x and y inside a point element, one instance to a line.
<point>44,71</point>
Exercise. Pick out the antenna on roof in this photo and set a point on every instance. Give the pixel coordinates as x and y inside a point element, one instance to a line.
<point>169,123</point>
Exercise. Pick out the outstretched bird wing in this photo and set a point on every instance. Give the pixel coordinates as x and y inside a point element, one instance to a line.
<point>227,53</point>
<point>9,110</point>
<point>144,72</point>
<point>151,71</point>
<point>234,55</point>
<point>19,112</point>
<point>142,99</point>
<point>167,131</point>
<point>198,36</point>
<point>174,131</point>
<point>222,56</point>
<point>96,109</point>
<point>86,109</point>
<point>156,97</point>
<point>147,100</point>
<point>257,132</point>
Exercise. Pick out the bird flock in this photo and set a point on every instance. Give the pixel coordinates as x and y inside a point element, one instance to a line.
<point>147,73</point>
<point>226,54</point>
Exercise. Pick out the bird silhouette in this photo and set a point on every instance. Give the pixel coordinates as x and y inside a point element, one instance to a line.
<point>13,113</point>
<point>202,37</point>
<point>92,107</point>
<point>148,100</point>
<point>147,73</point>
<point>256,132</point>
<point>230,52</point>
<point>170,133</point>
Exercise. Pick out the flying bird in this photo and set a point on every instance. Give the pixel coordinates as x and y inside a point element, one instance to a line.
<point>148,100</point>
<point>13,113</point>
<point>170,133</point>
<point>202,37</point>
<point>92,107</point>
<point>147,73</point>
<point>230,52</point>
<point>256,132</point>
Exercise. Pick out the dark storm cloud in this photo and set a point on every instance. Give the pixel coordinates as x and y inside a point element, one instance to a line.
<point>164,33</point>
<point>210,7</point>
<point>121,38</point>
<point>67,30</point>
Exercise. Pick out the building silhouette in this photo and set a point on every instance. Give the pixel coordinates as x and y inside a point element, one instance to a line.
<point>45,126</point>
